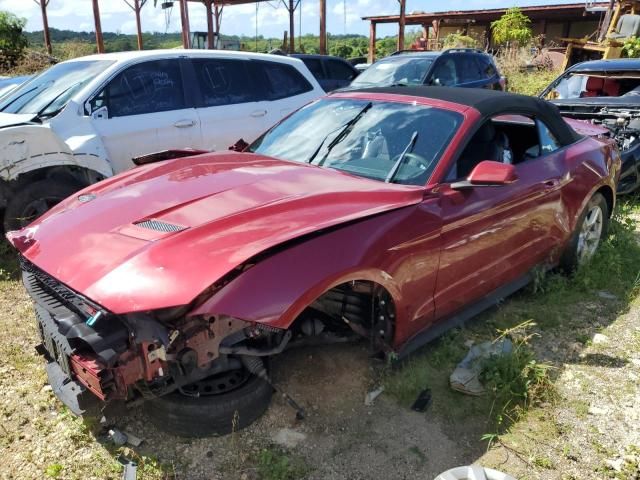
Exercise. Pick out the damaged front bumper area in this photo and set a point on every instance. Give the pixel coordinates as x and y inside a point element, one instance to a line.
<point>94,356</point>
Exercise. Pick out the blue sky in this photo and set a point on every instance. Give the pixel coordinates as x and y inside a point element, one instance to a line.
<point>272,16</point>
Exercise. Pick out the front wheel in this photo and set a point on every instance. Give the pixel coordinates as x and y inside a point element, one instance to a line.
<point>591,230</point>
<point>34,199</point>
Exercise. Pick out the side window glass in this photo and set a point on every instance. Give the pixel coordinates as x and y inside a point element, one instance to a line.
<point>444,73</point>
<point>339,71</point>
<point>149,87</point>
<point>284,81</point>
<point>315,67</point>
<point>467,69</point>
<point>487,67</point>
<point>223,82</point>
<point>548,141</point>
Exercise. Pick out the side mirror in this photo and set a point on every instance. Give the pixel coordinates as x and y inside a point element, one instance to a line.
<point>488,173</point>
<point>101,113</point>
<point>239,146</point>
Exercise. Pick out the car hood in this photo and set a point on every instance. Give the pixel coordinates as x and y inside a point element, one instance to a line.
<point>13,119</point>
<point>115,243</point>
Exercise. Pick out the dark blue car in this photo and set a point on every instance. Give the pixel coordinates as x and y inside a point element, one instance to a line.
<point>459,67</point>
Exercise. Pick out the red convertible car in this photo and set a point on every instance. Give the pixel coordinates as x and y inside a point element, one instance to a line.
<point>390,214</point>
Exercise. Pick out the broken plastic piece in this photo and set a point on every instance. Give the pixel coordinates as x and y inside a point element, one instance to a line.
<point>130,471</point>
<point>117,437</point>
<point>464,378</point>
<point>423,401</point>
<point>371,396</point>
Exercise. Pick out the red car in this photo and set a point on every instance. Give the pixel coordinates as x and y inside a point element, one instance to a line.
<point>390,214</point>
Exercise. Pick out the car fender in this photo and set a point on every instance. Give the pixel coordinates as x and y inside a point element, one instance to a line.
<point>279,287</point>
<point>66,140</point>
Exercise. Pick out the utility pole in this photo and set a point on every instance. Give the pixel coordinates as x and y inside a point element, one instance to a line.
<point>323,27</point>
<point>136,7</point>
<point>401,23</point>
<point>96,19</point>
<point>184,18</point>
<point>291,6</point>
<point>45,24</point>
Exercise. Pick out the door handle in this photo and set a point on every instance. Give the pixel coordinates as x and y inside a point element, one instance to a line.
<point>184,123</point>
<point>258,113</point>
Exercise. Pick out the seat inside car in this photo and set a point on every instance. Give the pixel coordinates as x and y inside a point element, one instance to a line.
<point>487,144</point>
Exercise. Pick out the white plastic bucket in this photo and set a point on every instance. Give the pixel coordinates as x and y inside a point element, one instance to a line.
<point>473,472</point>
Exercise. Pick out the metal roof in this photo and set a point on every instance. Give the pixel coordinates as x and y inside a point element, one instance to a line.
<point>561,12</point>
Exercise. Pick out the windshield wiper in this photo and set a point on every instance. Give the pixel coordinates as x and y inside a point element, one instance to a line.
<point>345,128</point>
<point>345,132</point>
<point>396,166</point>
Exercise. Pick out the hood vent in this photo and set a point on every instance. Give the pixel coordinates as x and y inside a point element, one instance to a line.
<point>159,226</point>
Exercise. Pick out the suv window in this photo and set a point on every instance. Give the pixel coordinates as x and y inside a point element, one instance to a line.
<point>445,73</point>
<point>144,88</point>
<point>315,67</point>
<point>339,71</point>
<point>486,66</point>
<point>223,82</point>
<point>467,68</point>
<point>283,80</point>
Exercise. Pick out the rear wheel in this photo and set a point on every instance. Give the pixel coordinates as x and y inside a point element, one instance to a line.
<point>217,405</point>
<point>591,230</point>
<point>34,199</point>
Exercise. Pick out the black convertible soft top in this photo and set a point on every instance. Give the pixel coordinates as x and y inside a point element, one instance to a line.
<point>490,103</point>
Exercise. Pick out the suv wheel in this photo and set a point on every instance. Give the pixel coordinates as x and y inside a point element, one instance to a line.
<point>34,199</point>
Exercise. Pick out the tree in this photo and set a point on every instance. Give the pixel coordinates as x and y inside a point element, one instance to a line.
<point>12,39</point>
<point>458,40</point>
<point>341,50</point>
<point>513,26</point>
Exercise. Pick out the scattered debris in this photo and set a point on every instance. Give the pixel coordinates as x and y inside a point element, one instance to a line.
<point>597,411</point>
<point>599,339</point>
<point>465,377</point>
<point>423,401</point>
<point>607,295</point>
<point>371,396</point>
<point>132,439</point>
<point>117,437</point>
<point>615,464</point>
<point>130,471</point>
<point>288,438</point>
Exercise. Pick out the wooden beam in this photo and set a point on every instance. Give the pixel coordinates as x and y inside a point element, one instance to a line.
<point>184,20</point>
<point>96,19</point>
<point>401,23</point>
<point>372,43</point>
<point>45,24</point>
<point>323,27</point>
<point>208,5</point>
<point>137,7</point>
<point>292,37</point>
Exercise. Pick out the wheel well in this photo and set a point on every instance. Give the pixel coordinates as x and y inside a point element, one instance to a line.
<point>362,307</point>
<point>80,175</point>
<point>607,193</point>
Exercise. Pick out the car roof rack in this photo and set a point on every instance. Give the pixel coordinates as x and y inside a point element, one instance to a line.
<point>463,49</point>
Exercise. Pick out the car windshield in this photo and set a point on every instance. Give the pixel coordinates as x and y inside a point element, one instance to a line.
<point>50,91</point>
<point>392,142</point>
<point>395,70</point>
<point>595,84</point>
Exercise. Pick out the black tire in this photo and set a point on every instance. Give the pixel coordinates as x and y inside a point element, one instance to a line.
<point>571,257</point>
<point>34,199</point>
<point>206,416</point>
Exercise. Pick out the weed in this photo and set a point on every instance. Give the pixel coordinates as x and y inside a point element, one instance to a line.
<point>54,470</point>
<point>415,450</point>
<point>274,464</point>
<point>543,462</point>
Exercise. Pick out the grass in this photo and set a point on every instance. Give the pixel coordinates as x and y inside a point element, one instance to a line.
<point>553,301</point>
<point>275,464</point>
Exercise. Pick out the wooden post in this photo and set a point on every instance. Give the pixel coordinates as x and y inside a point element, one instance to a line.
<point>323,27</point>
<point>45,24</point>
<point>137,7</point>
<point>184,19</point>
<point>372,42</point>
<point>292,42</point>
<point>208,6</point>
<point>401,23</point>
<point>96,19</point>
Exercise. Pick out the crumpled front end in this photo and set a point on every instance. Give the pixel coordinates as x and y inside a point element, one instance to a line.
<point>95,356</point>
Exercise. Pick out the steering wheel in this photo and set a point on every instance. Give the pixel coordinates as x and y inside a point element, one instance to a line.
<point>413,160</point>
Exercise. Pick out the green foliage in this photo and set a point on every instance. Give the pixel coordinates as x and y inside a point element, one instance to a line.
<point>341,50</point>
<point>528,82</point>
<point>54,470</point>
<point>458,40</point>
<point>274,464</point>
<point>12,40</point>
<point>513,26</point>
<point>631,48</point>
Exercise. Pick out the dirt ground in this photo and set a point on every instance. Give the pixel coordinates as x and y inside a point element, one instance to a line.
<point>591,430</point>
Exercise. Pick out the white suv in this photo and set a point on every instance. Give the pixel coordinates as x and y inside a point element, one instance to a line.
<point>85,119</point>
